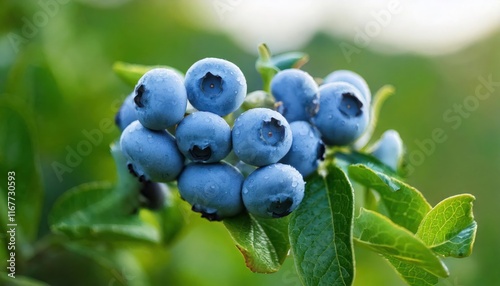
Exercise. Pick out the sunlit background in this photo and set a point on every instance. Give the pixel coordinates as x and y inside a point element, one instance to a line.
<point>55,68</point>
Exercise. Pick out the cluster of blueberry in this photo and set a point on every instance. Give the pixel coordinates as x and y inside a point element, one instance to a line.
<point>275,149</point>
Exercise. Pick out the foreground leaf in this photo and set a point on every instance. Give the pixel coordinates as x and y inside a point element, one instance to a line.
<point>449,228</point>
<point>405,205</point>
<point>263,242</point>
<point>354,157</point>
<point>131,73</point>
<point>381,235</point>
<point>412,274</point>
<point>321,231</point>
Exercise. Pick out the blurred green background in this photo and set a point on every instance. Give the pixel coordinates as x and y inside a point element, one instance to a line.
<point>58,82</point>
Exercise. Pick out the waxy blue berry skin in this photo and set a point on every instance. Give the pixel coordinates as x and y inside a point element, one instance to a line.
<point>261,136</point>
<point>307,149</point>
<point>160,99</point>
<point>151,155</point>
<point>273,191</point>
<point>215,85</point>
<point>204,137</point>
<point>214,190</point>
<point>343,115</point>
<point>389,149</point>
<point>126,114</point>
<point>297,94</point>
<point>353,78</point>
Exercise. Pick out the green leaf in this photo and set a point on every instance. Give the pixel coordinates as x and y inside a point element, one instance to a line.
<point>19,155</point>
<point>19,280</point>
<point>290,60</point>
<point>263,242</point>
<point>405,205</point>
<point>96,211</point>
<point>378,101</point>
<point>266,67</point>
<point>120,263</point>
<point>321,230</point>
<point>449,228</point>
<point>100,210</point>
<point>171,218</point>
<point>353,157</point>
<point>412,274</point>
<point>131,73</point>
<point>381,235</point>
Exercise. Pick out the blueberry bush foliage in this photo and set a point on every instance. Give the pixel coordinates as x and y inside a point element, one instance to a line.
<point>392,219</point>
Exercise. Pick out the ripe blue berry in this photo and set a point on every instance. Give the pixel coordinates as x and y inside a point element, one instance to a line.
<point>160,99</point>
<point>353,78</point>
<point>273,191</point>
<point>261,136</point>
<point>214,190</point>
<point>307,148</point>
<point>126,114</point>
<point>204,137</point>
<point>153,195</point>
<point>215,85</point>
<point>343,114</point>
<point>389,149</point>
<point>298,93</point>
<point>152,155</point>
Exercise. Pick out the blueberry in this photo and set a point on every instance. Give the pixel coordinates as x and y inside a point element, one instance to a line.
<point>343,115</point>
<point>215,85</point>
<point>273,191</point>
<point>126,114</point>
<point>214,190</point>
<point>261,136</point>
<point>160,99</point>
<point>389,149</point>
<point>153,195</point>
<point>204,137</point>
<point>152,155</point>
<point>353,78</point>
<point>307,148</point>
<point>296,93</point>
